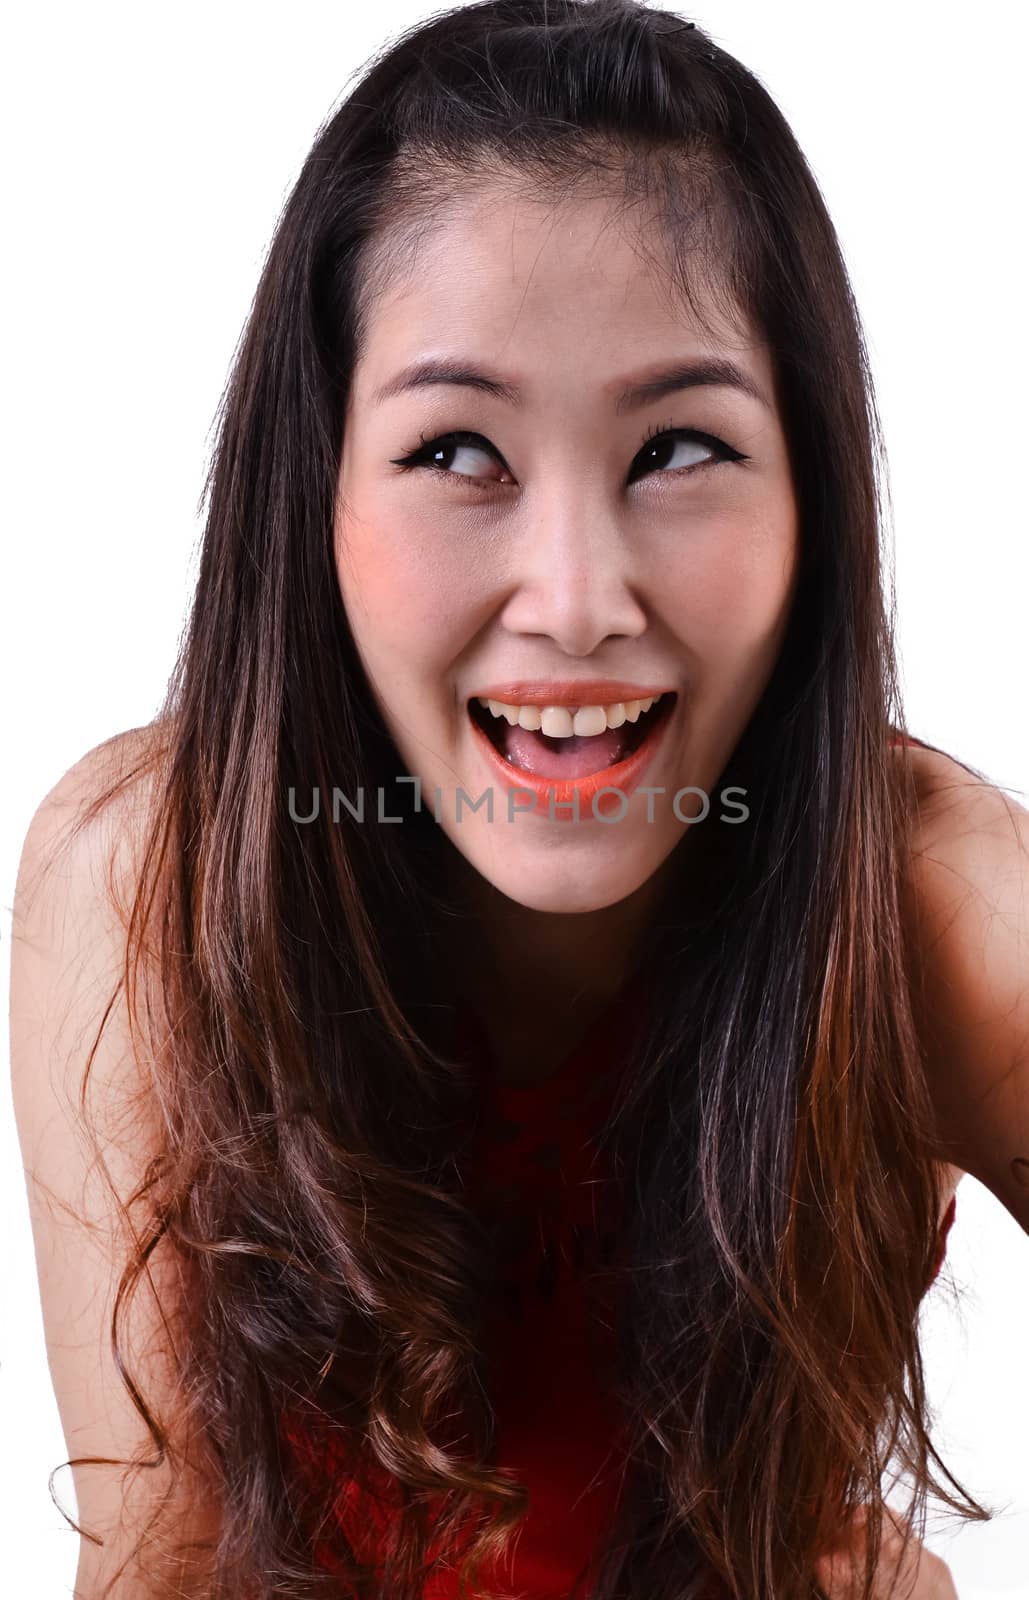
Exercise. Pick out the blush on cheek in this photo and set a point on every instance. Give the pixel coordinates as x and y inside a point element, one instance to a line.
<point>410,621</point>
<point>731,623</point>
<point>417,567</point>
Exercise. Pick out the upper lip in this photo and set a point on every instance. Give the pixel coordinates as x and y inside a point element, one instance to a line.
<point>584,692</point>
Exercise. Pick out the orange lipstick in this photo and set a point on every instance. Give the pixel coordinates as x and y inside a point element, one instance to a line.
<point>559,793</point>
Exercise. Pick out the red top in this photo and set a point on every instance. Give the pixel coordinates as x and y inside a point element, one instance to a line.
<point>538,1180</point>
<point>541,1182</point>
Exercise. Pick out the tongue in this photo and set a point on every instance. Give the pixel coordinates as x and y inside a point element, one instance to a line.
<point>564,758</point>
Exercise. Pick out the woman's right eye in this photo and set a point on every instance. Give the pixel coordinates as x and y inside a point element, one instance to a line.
<point>430,451</point>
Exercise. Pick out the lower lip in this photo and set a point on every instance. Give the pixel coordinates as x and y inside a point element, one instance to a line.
<point>560,792</point>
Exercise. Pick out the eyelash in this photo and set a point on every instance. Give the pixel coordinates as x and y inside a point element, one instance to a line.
<point>416,458</point>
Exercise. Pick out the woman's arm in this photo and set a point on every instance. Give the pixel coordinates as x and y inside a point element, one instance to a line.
<point>967,909</point>
<point>67,952</point>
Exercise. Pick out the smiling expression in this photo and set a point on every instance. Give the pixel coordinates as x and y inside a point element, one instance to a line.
<point>583,534</point>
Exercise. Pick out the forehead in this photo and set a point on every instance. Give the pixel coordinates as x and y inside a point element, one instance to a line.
<point>583,284</point>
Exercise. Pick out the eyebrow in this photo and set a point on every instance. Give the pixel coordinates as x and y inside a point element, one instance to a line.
<point>708,371</point>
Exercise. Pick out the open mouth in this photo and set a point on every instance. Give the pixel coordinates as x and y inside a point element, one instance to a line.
<point>575,756</point>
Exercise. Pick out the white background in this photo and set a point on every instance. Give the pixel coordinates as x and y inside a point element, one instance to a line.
<point>147,152</point>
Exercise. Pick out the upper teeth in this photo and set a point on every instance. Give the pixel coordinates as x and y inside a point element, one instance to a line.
<point>561,722</point>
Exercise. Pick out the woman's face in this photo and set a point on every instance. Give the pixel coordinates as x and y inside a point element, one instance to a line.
<point>586,548</point>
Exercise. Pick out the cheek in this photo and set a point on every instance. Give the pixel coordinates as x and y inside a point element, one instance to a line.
<point>729,589</point>
<point>403,590</point>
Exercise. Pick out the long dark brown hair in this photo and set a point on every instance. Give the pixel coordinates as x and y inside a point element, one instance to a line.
<point>774,1132</point>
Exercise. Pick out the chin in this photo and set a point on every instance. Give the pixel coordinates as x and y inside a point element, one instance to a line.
<point>555,876</point>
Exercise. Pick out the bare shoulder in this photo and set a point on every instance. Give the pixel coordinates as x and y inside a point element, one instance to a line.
<point>94,815</point>
<point>76,878</point>
<point>944,783</point>
<point>88,1129</point>
<point>966,903</point>
<point>970,838</point>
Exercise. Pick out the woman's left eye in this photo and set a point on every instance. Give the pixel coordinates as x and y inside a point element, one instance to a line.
<point>659,449</point>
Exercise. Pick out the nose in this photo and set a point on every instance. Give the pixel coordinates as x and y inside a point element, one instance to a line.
<point>575,578</point>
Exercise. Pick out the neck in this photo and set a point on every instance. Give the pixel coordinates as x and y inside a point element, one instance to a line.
<point>509,960</point>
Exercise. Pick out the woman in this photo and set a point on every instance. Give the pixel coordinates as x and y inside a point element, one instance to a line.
<point>535,1038</point>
